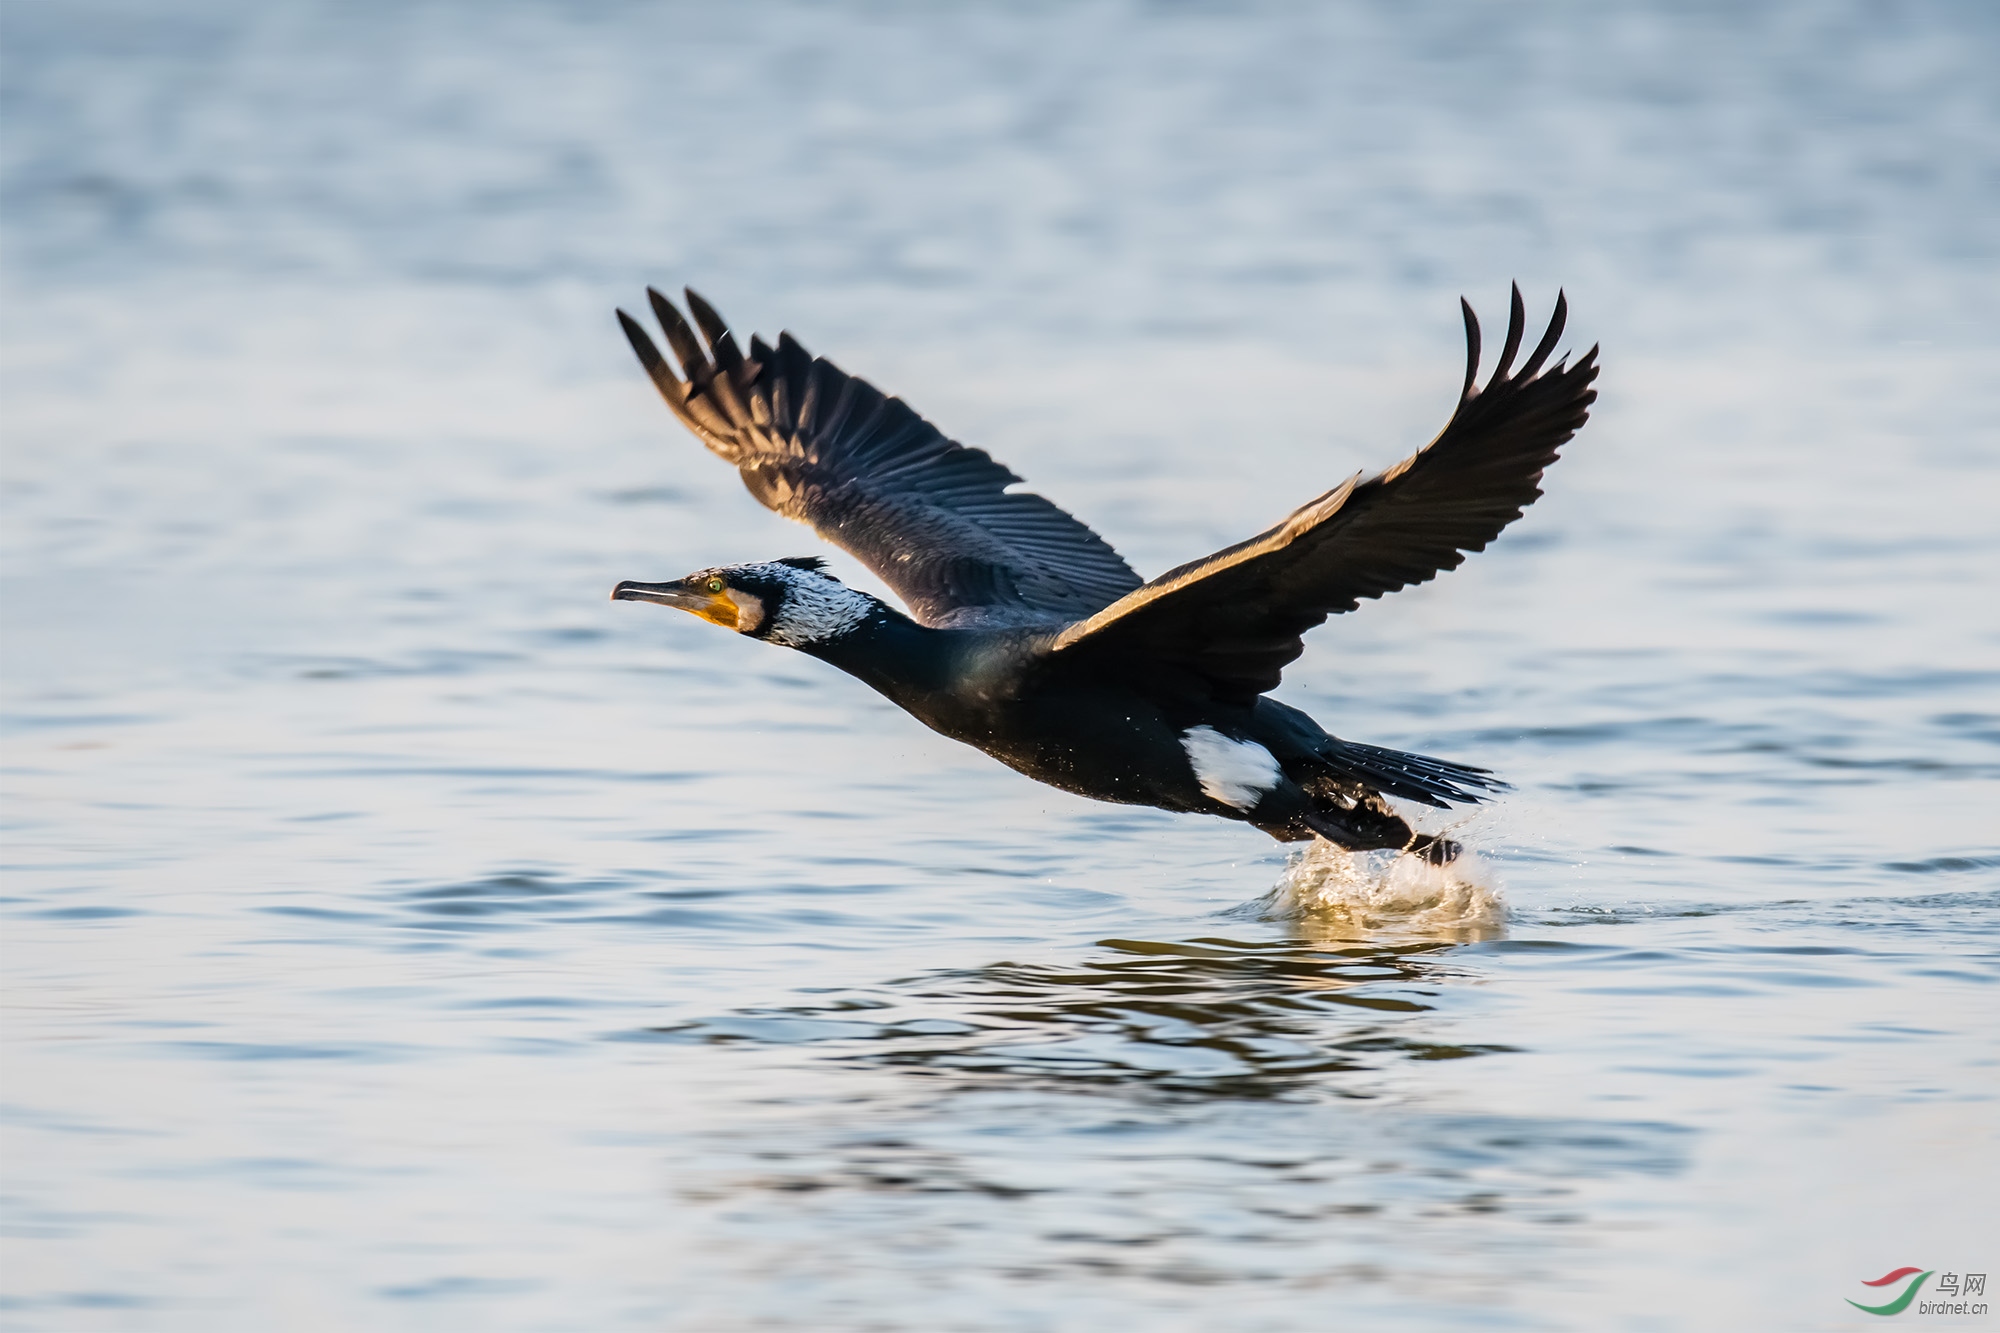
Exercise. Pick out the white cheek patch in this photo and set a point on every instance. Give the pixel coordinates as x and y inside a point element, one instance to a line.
<point>749,610</point>
<point>1236,773</point>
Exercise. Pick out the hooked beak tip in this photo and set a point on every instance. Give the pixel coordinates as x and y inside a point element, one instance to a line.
<point>666,594</point>
<point>631,590</point>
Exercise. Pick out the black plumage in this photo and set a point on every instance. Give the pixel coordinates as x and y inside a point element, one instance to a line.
<point>1030,638</point>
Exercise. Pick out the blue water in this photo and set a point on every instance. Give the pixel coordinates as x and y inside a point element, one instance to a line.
<point>398,934</point>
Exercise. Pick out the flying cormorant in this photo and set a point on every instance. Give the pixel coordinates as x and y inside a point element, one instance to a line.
<point>1031,639</point>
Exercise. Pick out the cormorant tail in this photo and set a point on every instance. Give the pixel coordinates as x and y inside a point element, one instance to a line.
<point>1414,777</point>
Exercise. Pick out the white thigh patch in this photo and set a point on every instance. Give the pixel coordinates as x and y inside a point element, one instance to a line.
<point>1236,773</point>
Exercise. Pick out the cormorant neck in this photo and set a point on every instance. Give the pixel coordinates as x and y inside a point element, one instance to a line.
<point>891,653</point>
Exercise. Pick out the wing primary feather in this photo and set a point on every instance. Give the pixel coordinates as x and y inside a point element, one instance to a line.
<point>1517,324</point>
<point>811,400</point>
<point>712,325</point>
<point>1471,350</point>
<point>759,393</point>
<point>727,355</point>
<point>707,418</point>
<point>720,382</point>
<point>649,356</point>
<point>694,364</point>
<point>793,368</point>
<point>1549,339</point>
<point>834,422</point>
<point>780,393</point>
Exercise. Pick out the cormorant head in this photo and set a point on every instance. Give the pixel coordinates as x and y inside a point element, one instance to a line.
<point>790,602</point>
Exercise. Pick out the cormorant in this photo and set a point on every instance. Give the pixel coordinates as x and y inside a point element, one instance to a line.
<point>1031,639</point>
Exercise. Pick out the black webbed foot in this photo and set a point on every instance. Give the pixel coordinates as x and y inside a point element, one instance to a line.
<point>1436,851</point>
<point>1369,825</point>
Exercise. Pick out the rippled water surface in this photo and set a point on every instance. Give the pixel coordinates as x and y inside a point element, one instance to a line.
<point>398,934</point>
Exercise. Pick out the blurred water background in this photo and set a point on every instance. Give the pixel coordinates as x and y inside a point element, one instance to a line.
<point>398,934</point>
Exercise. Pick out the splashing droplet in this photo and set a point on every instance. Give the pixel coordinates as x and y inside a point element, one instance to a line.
<point>1330,886</point>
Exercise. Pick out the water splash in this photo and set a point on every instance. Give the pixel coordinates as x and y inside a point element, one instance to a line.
<point>1331,888</point>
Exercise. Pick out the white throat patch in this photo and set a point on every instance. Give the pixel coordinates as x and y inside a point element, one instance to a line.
<point>1236,773</point>
<point>814,608</point>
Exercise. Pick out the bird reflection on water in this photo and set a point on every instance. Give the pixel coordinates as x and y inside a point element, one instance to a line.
<point>1206,1017</point>
<point>1001,1109</point>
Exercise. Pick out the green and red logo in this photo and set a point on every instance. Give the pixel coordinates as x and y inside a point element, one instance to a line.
<point>1902,1301</point>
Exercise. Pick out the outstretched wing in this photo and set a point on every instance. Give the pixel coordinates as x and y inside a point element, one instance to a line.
<point>1236,617</point>
<point>932,518</point>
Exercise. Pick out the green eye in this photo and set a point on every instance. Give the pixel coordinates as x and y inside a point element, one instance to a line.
<point>715,585</point>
